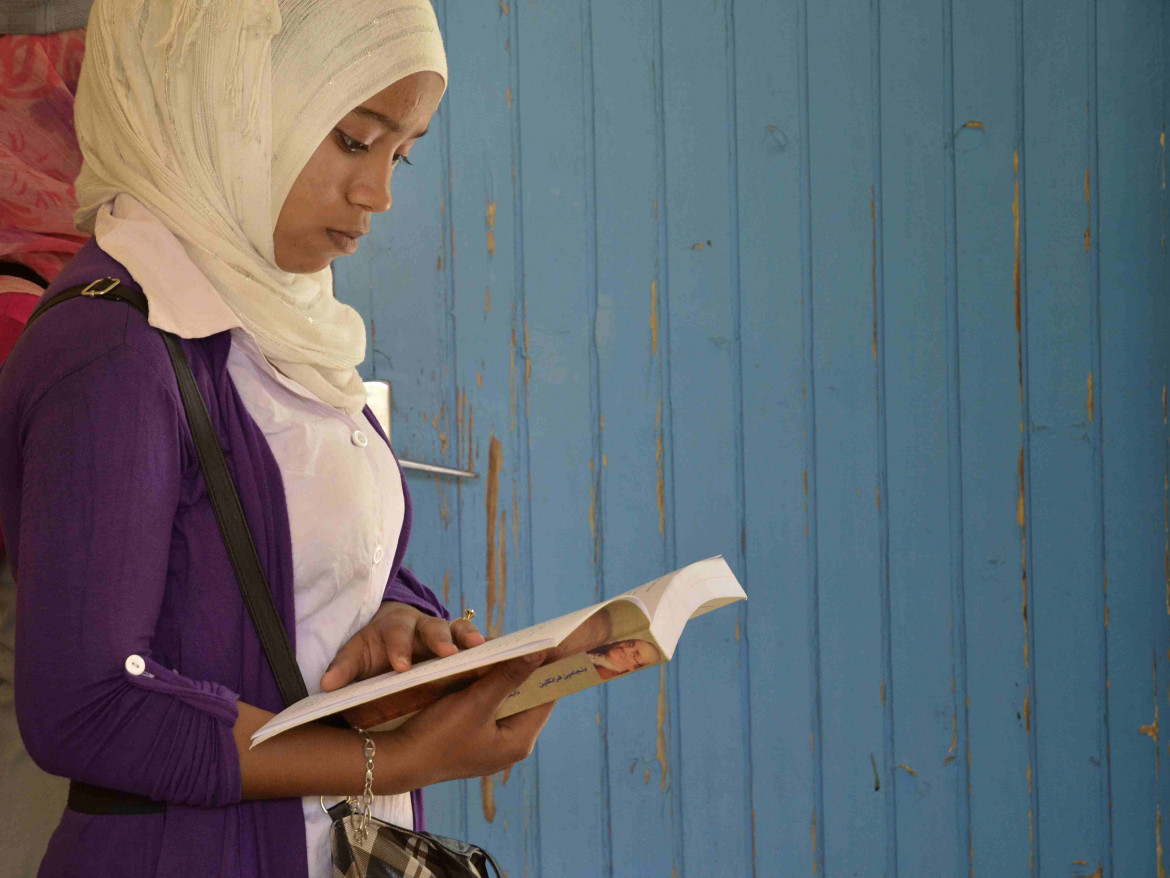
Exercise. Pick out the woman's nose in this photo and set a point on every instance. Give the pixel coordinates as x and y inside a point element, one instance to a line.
<point>375,200</point>
<point>373,191</point>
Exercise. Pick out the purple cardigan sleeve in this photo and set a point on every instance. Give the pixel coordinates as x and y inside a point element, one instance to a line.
<point>101,466</point>
<point>405,588</point>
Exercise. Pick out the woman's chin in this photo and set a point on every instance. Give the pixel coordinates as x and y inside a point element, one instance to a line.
<point>304,265</point>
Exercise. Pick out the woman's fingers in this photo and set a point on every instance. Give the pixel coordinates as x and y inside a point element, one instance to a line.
<point>433,638</point>
<point>476,743</point>
<point>383,644</point>
<point>525,727</point>
<point>439,638</point>
<point>466,634</point>
<point>399,632</point>
<point>489,692</point>
<point>352,662</point>
<point>396,637</point>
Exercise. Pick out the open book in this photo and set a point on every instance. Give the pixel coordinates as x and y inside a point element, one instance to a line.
<point>631,631</point>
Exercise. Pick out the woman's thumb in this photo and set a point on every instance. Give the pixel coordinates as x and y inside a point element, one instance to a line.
<point>505,678</point>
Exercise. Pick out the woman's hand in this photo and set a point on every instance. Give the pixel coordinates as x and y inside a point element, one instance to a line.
<point>397,635</point>
<point>459,736</point>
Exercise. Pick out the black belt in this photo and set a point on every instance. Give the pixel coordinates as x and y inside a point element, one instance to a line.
<point>88,799</point>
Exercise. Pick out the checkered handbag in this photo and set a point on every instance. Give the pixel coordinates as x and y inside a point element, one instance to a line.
<point>384,850</point>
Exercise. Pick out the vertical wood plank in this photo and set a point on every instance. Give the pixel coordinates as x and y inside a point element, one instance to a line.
<point>809,395</point>
<point>989,244</point>
<point>882,488</point>
<point>851,609</point>
<point>669,685</point>
<point>1129,412</point>
<point>777,626</point>
<point>1164,323</point>
<point>630,345</point>
<point>555,90</point>
<point>911,346</point>
<point>960,702</point>
<point>703,373</point>
<point>1066,609</point>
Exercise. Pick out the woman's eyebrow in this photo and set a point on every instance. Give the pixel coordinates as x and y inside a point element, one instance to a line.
<point>392,125</point>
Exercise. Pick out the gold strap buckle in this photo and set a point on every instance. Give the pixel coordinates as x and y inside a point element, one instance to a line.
<point>91,291</point>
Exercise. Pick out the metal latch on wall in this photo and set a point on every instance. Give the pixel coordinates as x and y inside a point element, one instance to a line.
<point>378,399</point>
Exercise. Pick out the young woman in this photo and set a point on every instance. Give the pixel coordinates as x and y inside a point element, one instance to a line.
<point>232,150</point>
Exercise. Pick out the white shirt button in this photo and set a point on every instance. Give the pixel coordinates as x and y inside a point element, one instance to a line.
<point>359,439</point>
<point>135,665</point>
<point>379,554</point>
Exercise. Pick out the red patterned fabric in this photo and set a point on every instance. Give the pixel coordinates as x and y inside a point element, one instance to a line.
<point>39,160</point>
<point>39,155</point>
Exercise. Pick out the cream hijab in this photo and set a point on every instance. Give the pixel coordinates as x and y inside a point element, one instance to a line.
<point>207,110</point>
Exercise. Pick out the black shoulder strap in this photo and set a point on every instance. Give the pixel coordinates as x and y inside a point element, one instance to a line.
<point>229,514</point>
<point>17,269</point>
<point>107,287</point>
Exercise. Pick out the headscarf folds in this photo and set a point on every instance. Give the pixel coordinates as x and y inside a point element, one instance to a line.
<point>207,110</point>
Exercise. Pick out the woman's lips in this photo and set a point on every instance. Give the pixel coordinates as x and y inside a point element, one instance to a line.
<point>345,243</point>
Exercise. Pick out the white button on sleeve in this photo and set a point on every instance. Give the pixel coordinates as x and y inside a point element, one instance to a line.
<point>379,554</point>
<point>135,665</point>
<point>359,439</point>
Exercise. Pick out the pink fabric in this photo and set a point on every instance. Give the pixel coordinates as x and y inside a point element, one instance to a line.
<point>15,309</point>
<point>39,160</point>
<point>39,155</point>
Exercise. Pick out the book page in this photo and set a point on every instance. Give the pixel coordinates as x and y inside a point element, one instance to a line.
<point>555,680</point>
<point>615,621</point>
<point>692,591</point>
<point>650,595</point>
<point>652,614</point>
<point>393,695</point>
<point>326,703</point>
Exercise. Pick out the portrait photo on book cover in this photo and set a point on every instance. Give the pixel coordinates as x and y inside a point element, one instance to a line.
<point>622,656</point>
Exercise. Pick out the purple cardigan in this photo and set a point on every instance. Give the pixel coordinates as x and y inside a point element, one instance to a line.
<point>116,552</point>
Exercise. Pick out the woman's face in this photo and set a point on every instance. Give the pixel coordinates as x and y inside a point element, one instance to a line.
<point>348,177</point>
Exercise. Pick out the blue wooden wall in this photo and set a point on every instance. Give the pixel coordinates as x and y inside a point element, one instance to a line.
<point>872,300</point>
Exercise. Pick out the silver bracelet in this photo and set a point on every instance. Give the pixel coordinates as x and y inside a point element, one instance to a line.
<point>367,802</point>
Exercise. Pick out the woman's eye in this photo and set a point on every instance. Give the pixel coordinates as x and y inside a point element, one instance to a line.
<point>350,145</point>
<point>353,147</point>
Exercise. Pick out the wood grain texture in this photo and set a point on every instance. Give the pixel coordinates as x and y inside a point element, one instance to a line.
<point>989,285</point>
<point>871,300</point>
<point>1066,579</point>
<point>1131,276</point>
